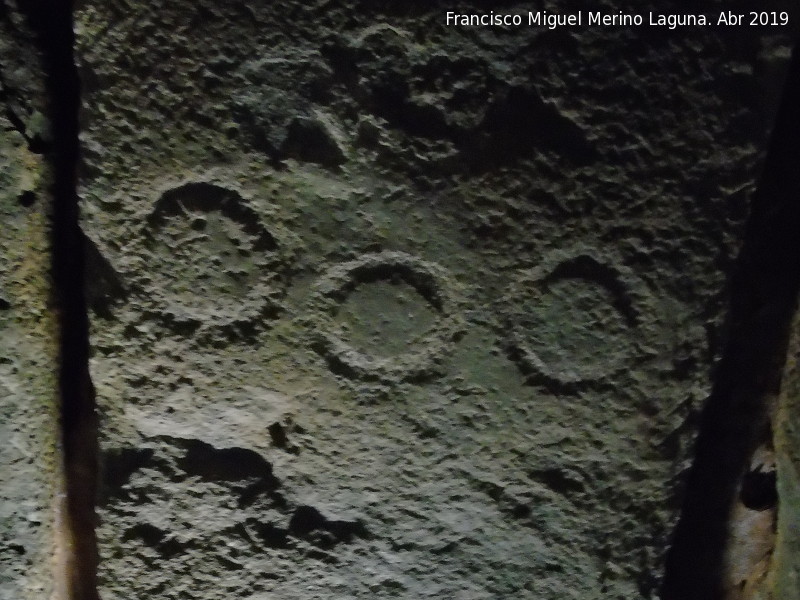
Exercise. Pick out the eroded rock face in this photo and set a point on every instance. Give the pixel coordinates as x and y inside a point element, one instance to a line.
<point>387,309</point>
<point>785,567</point>
<point>28,363</point>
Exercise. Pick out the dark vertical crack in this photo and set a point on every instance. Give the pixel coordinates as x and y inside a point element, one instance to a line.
<point>735,420</point>
<point>52,21</point>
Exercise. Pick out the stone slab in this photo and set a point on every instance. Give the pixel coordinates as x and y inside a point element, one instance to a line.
<point>29,465</point>
<point>384,308</point>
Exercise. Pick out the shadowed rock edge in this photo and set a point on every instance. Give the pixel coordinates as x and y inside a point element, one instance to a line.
<point>763,299</point>
<point>53,24</point>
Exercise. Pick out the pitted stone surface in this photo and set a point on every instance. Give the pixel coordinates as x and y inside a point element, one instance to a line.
<point>29,466</point>
<point>496,307</point>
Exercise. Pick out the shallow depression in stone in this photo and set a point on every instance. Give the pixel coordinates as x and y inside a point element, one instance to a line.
<point>210,261</point>
<point>384,317</point>
<point>572,324</point>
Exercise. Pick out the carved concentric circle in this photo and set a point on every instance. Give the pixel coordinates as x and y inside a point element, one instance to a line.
<point>212,262</point>
<point>574,318</point>
<point>412,358</point>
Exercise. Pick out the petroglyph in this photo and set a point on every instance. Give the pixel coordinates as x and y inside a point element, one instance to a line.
<point>212,262</point>
<point>353,340</point>
<point>461,286</point>
<point>573,318</point>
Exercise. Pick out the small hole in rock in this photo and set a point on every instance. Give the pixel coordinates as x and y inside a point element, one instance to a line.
<point>759,490</point>
<point>278,435</point>
<point>37,145</point>
<point>305,520</point>
<point>27,198</point>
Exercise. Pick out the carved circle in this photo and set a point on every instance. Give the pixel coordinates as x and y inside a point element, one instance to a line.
<point>213,262</point>
<point>429,281</point>
<point>572,319</point>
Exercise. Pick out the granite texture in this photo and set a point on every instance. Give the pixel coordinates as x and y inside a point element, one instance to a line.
<point>387,309</point>
<point>29,467</point>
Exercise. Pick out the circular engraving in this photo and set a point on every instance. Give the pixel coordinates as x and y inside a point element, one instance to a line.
<point>385,316</point>
<point>214,263</point>
<point>572,319</point>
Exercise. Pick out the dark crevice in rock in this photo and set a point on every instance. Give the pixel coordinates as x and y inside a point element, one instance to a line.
<point>764,290</point>
<point>232,465</point>
<point>225,464</point>
<point>104,286</point>
<point>520,122</point>
<point>52,22</point>
<point>118,466</point>
<point>560,480</point>
<point>759,490</point>
<point>271,536</point>
<point>150,535</point>
<point>309,140</point>
<point>308,522</point>
<point>278,435</point>
<point>27,199</point>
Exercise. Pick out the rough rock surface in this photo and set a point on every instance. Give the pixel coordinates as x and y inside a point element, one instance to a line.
<point>786,568</point>
<point>387,309</point>
<point>28,362</point>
